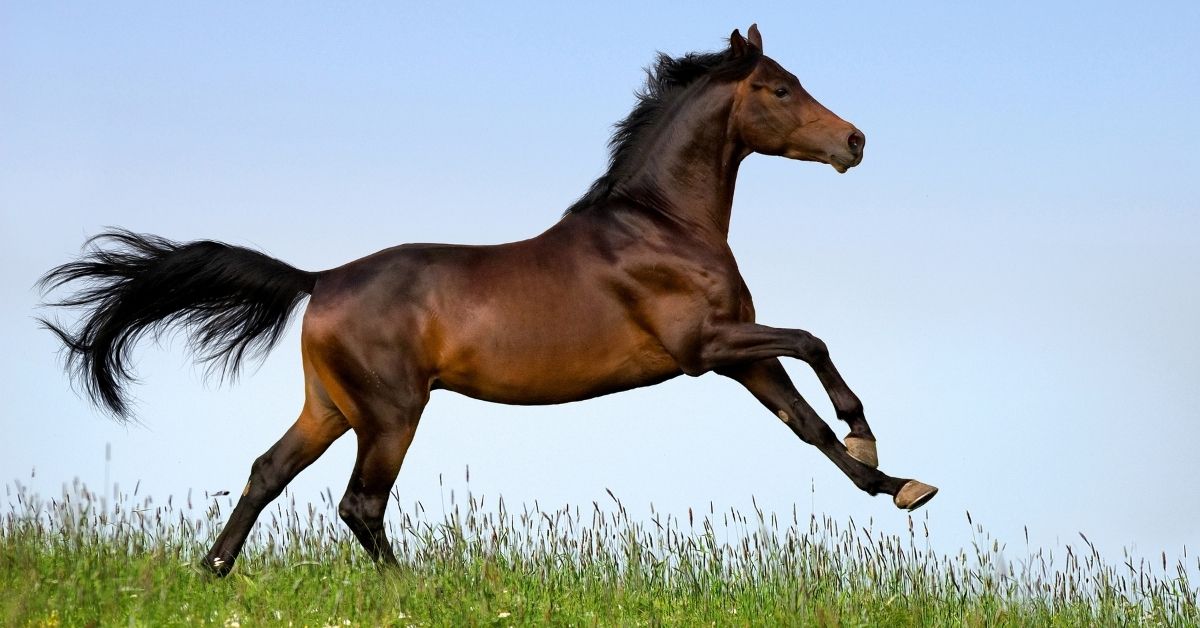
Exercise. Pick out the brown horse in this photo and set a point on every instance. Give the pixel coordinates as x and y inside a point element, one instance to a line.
<point>636,284</point>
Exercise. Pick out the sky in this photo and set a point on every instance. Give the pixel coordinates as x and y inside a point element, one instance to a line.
<point>1010,280</point>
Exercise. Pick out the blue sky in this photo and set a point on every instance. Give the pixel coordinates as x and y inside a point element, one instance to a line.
<point>1010,280</point>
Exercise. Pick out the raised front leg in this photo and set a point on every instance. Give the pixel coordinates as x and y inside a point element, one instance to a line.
<point>769,383</point>
<point>739,343</point>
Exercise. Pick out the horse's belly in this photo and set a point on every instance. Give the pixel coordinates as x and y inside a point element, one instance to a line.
<point>545,371</point>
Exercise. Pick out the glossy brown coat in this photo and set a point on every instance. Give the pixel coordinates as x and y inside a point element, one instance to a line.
<point>636,284</point>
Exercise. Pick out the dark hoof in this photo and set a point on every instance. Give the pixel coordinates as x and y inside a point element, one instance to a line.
<point>913,495</point>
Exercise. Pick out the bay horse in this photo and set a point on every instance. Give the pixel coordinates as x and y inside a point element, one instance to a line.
<point>636,284</point>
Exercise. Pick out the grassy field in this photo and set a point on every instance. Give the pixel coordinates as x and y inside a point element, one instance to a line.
<point>77,561</point>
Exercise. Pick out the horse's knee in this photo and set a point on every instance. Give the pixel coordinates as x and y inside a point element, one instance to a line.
<point>812,348</point>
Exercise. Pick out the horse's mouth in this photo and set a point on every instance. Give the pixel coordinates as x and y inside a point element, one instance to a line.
<point>842,165</point>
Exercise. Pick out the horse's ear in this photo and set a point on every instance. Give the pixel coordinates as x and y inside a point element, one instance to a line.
<point>755,37</point>
<point>737,43</point>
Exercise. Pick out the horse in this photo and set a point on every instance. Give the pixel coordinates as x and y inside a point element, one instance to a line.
<point>634,285</point>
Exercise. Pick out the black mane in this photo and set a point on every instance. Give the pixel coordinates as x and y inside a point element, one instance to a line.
<point>665,82</point>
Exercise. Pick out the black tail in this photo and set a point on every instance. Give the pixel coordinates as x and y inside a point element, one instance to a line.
<point>232,301</point>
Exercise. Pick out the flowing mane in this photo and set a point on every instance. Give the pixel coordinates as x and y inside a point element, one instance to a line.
<point>666,82</point>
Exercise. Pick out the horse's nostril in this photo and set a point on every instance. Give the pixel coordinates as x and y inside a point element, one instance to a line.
<point>856,141</point>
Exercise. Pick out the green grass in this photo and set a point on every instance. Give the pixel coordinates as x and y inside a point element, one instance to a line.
<point>76,561</point>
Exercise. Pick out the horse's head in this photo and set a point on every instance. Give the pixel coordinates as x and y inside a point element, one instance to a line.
<point>773,115</point>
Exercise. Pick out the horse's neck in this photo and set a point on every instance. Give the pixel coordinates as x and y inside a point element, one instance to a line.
<point>689,168</point>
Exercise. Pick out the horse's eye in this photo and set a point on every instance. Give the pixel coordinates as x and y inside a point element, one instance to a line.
<point>781,92</point>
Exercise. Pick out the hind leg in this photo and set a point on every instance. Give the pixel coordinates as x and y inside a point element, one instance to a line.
<point>381,450</point>
<point>374,366</point>
<point>304,442</point>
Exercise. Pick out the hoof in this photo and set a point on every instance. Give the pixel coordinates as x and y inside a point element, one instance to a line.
<point>863,450</point>
<point>914,494</point>
<point>217,566</point>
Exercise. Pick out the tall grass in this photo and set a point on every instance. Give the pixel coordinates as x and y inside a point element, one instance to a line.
<point>78,560</point>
